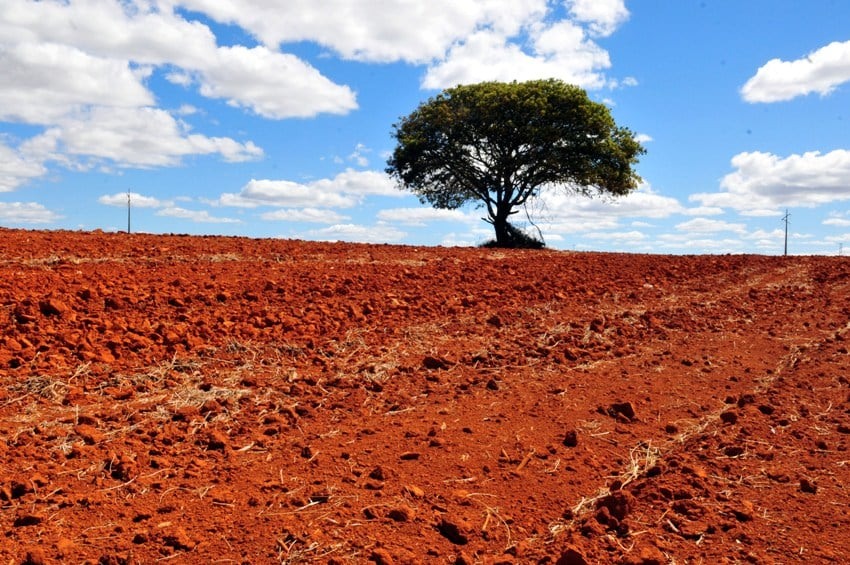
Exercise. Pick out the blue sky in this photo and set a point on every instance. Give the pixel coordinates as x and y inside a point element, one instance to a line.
<point>273,119</point>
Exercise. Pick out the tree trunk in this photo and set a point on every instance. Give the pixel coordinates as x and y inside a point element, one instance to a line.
<point>503,234</point>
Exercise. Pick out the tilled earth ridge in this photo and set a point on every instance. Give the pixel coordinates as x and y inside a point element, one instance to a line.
<point>227,400</point>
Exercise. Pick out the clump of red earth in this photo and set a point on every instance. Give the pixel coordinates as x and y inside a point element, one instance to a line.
<point>229,400</point>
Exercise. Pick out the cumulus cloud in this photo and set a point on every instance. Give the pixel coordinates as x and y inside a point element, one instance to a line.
<point>560,50</point>
<point>363,30</point>
<point>706,226</point>
<point>345,190</point>
<point>306,215</point>
<point>272,84</point>
<point>358,233</point>
<point>603,16</point>
<point>838,220</point>
<point>558,211</point>
<point>140,137</point>
<point>820,71</point>
<point>20,213</point>
<point>764,183</point>
<point>101,38</point>
<point>82,70</point>
<point>423,216</point>
<point>198,216</point>
<point>43,82</point>
<point>137,200</point>
<point>164,208</point>
<point>462,41</point>
<point>16,168</point>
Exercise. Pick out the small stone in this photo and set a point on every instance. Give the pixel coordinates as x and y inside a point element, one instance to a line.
<point>456,531</point>
<point>808,487</point>
<point>571,556</point>
<point>52,307</point>
<point>415,491</point>
<point>65,547</point>
<point>434,364</point>
<point>618,504</point>
<point>403,513</point>
<point>89,434</point>
<point>177,538</point>
<point>217,440</point>
<point>646,555</point>
<point>729,417</point>
<point>381,557</point>
<point>35,557</point>
<point>622,409</point>
<point>571,439</point>
<point>27,520</point>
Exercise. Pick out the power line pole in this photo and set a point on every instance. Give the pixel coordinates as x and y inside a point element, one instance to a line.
<point>128,210</point>
<point>785,219</point>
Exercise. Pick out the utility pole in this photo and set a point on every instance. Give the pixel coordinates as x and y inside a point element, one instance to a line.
<point>785,219</point>
<point>128,210</point>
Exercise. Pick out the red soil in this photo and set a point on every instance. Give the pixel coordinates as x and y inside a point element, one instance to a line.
<point>226,400</point>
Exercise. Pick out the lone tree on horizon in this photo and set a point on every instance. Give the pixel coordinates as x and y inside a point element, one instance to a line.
<point>502,143</point>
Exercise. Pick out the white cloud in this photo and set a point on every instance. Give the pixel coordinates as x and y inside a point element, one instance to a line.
<point>309,215</point>
<point>706,226</point>
<point>285,193</point>
<point>359,233</point>
<point>603,16</point>
<point>838,222</point>
<point>838,219</point>
<point>17,168</point>
<point>560,50</point>
<point>364,30</point>
<point>558,211</point>
<point>42,82</point>
<point>422,216</point>
<point>764,183</point>
<point>136,200</point>
<point>17,213</point>
<point>101,37</point>
<point>688,243</point>
<point>633,237</point>
<point>360,183</point>
<point>463,40</point>
<point>358,156</point>
<point>703,211</point>
<point>274,85</point>
<point>141,137</point>
<point>345,190</point>
<point>820,71</point>
<point>643,138</point>
<point>81,69</point>
<point>198,216</point>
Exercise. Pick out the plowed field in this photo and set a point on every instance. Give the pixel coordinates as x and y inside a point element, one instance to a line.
<point>226,400</point>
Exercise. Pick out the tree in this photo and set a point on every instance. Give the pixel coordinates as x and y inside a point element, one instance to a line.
<point>500,144</point>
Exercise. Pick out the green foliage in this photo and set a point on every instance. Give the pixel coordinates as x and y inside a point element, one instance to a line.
<point>499,144</point>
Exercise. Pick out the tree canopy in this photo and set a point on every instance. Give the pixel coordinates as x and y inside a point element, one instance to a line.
<point>500,144</point>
